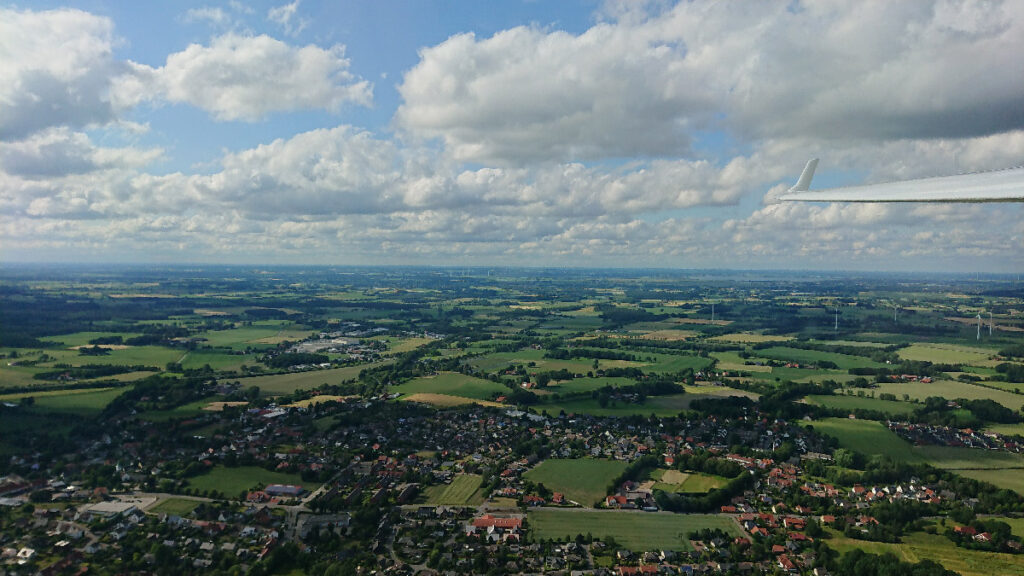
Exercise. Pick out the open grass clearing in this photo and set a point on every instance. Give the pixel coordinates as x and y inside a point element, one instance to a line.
<point>634,530</point>
<point>88,402</point>
<point>233,481</point>
<point>686,482</point>
<point>733,361</point>
<point>464,490</point>
<point>453,384</point>
<point>156,356</point>
<point>583,480</point>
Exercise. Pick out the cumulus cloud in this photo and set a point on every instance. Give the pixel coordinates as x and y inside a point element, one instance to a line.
<point>241,77</point>
<point>643,82</point>
<point>285,17</point>
<point>56,69</point>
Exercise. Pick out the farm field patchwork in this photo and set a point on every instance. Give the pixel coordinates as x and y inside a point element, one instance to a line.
<point>920,546</point>
<point>280,384</point>
<point>634,530</point>
<point>951,390</point>
<point>583,480</point>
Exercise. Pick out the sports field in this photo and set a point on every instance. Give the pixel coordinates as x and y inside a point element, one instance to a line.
<point>637,531</point>
<point>232,481</point>
<point>583,480</point>
<point>463,491</point>
<point>174,507</point>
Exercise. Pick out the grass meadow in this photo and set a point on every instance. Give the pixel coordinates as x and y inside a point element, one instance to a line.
<point>637,531</point>
<point>584,480</point>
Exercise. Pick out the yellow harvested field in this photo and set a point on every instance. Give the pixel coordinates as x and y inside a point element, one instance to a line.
<point>220,406</point>
<point>444,400</point>
<point>107,346</point>
<point>319,399</point>
<point>702,321</point>
<point>670,335</point>
<point>206,312</point>
<point>746,337</point>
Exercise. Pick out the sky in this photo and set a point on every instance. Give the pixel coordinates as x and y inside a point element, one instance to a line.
<point>467,133</point>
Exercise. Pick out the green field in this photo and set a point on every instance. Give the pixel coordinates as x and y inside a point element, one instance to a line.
<point>189,410</point>
<point>843,361</point>
<point>636,531</point>
<point>584,480</point>
<point>951,390</point>
<point>258,335</point>
<point>587,384</point>
<point>671,363</point>
<point>463,491</point>
<point>453,384</point>
<point>889,407</point>
<point>87,402</point>
<point>233,481</point>
<point>281,384</point>
<point>919,546</point>
<point>217,360</point>
<point>947,354</point>
<point>175,507</point>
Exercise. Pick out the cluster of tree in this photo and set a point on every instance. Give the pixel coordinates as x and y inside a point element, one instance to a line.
<point>1011,372</point>
<point>1000,537</point>
<point>597,353</point>
<point>916,367</point>
<point>616,316</point>
<point>289,359</point>
<point>857,562</point>
<point>709,464</point>
<point>877,354</point>
<point>713,500</point>
<point>89,371</point>
<point>937,410</point>
<point>157,392</point>
<point>1013,351</point>
<point>636,471</point>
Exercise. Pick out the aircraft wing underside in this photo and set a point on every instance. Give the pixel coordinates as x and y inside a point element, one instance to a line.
<point>995,186</point>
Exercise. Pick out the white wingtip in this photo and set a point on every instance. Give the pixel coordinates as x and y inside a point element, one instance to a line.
<point>804,183</point>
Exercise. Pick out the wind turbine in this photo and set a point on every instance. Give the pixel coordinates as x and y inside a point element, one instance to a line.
<point>979,327</point>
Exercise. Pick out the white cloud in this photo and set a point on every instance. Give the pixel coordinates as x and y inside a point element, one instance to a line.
<point>56,68</point>
<point>285,17</point>
<point>643,83</point>
<point>247,77</point>
<point>212,14</point>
